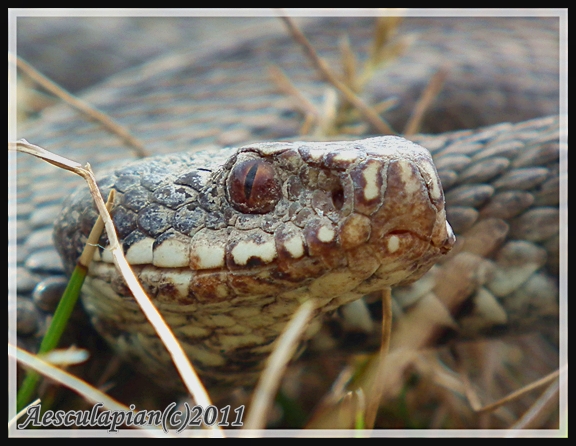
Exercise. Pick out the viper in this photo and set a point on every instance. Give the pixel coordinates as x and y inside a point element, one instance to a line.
<point>263,205</point>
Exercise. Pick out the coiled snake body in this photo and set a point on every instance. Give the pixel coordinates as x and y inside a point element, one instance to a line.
<point>263,244</point>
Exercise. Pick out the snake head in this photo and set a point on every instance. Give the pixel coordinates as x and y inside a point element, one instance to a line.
<point>229,243</point>
<point>371,211</point>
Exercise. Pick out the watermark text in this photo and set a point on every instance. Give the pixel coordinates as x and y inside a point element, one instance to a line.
<point>173,417</point>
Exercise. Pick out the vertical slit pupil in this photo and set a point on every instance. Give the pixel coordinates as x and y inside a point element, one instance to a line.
<point>249,180</point>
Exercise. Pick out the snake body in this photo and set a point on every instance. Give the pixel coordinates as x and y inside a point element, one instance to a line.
<point>500,183</point>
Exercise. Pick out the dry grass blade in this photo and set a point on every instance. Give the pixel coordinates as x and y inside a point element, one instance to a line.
<point>384,31</point>
<point>79,386</point>
<point>369,114</point>
<point>37,151</point>
<point>358,408</point>
<point>91,244</point>
<point>302,104</point>
<point>349,64</point>
<point>345,413</point>
<point>471,395</point>
<point>307,125</point>
<point>269,380</point>
<point>385,105</point>
<point>385,46</point>
<point>67,356</point>
<point>81,106</point>
<point>430,93</point>
<point>333,401</point>
<point>515,395</point>
<point>22,412</point>
<point>189,376</point>
<point>540,410</point>
<point>377,389</point>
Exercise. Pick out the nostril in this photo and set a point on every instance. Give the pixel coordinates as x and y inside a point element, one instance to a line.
<point>338,198</point>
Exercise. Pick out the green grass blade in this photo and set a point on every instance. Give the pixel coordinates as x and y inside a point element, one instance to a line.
<point>54,332</point>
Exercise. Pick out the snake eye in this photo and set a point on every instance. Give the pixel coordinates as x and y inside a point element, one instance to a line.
<point>253,187</point>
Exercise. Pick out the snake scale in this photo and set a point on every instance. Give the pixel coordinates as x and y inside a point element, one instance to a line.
<point>500,184</point>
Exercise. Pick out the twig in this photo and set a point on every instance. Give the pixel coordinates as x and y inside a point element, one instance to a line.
<point>370,115</point>
<point>81,106</point>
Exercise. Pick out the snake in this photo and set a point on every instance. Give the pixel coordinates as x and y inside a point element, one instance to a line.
<point>229,240</point>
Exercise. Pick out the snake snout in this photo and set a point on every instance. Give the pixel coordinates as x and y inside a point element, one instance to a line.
<point>398,188</point>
